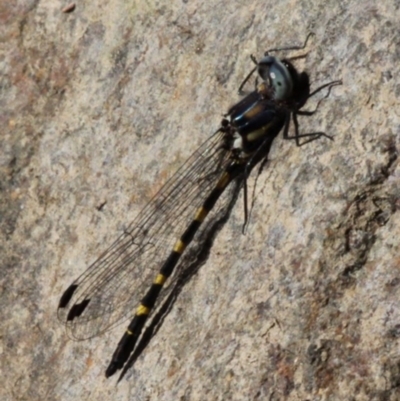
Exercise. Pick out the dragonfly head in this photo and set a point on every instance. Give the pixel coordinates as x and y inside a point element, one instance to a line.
<point>285,81</point>
<point>278,75</point>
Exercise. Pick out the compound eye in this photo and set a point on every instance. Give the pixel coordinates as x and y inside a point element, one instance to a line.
<point>276,73</point>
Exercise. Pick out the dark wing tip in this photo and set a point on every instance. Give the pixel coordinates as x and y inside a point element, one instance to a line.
<point>77,310</point>
<point>66,297</point>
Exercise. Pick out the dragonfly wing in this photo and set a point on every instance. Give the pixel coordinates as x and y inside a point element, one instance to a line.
<point>109,290</point>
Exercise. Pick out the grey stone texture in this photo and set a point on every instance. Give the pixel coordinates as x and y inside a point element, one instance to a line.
<point>99,106</point>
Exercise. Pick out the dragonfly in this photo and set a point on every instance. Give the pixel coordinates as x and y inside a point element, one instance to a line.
<point>128,278</point>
